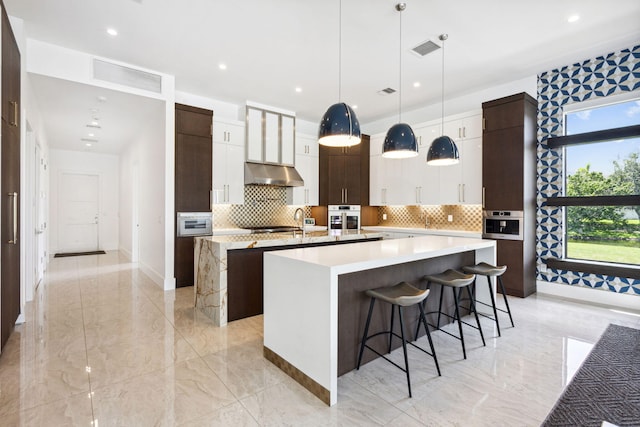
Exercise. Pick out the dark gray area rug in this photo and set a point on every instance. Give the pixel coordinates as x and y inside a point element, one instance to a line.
<point>607,385</point>
<point>64,254</point>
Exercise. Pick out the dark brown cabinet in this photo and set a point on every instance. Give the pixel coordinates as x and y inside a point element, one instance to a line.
<point>10,183</point>
<point>509,182</point>
<point>245,278</point>
<point>193,179</point>
<point>344,174</point>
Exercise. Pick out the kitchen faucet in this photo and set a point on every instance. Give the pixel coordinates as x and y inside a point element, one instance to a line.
<point>299,216</point>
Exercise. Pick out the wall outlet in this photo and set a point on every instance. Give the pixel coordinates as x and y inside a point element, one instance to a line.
<point>384,216</point>
<point>450,218</point>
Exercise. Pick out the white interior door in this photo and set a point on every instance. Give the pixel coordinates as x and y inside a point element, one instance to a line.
<point>78,205</point>
<point>135,214</point>
<point>40,214</point>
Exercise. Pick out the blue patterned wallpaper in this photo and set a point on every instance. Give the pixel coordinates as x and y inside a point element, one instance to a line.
<point>600,77</point>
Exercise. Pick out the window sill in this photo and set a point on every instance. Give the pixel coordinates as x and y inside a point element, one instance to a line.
<point>619,270</point>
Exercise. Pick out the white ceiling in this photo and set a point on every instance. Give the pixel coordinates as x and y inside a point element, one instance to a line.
<point>272,47</point>
<point>69,107</point>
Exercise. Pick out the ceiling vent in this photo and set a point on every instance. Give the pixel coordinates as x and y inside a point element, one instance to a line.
<point>425,48</point>
<point>126,76</point>
<point>94,126</point>
<point>386,91</point>
<point>88,140</point>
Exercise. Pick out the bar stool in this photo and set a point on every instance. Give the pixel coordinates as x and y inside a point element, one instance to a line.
<point>457,281</point>
<point>400,295</point>
<point>488,270</point>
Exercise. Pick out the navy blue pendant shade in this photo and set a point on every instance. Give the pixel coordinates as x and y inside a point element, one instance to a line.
<point>400,142</point>
<point>443,151</point>
<point>339,127</point>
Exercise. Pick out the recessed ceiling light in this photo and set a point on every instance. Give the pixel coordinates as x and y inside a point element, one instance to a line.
<point>573,18</point>
<point>88,144</point>
<point>416,84</point>
<point>102,99</point>
<point>112,32</point>
<point>94,122</point>
<point>298,89</point>
<point>222,66</point>
<point>355,107</point>
<point>92,134</point>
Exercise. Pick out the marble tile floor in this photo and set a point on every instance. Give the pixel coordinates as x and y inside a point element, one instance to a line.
<point>104,346</point>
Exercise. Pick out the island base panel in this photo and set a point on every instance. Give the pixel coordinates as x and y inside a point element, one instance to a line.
<point>353,305</point>
<point>299,376</point>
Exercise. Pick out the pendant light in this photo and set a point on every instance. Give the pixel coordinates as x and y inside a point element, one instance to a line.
<point>339,126</point>
<point>400,141</point>
<point>443,151</point>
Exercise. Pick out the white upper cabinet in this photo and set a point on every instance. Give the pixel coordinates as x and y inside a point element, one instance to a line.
<point>254,135</point>
<point>462,183</point>
<point>270,137</point>
<point>228,162</point>
<point>413,182</point>
<point>228,174</point>
<point>228,132</point>
<point>463,126</point>
<point>288,139</point>
<point>307,165</point>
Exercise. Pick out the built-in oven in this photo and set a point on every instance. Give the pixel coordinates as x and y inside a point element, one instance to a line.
<point>194,224</point>
<point>505,225</point>
<point>344,217</point>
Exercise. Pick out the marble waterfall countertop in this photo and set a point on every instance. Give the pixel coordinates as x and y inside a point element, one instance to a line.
<point>210,258</point>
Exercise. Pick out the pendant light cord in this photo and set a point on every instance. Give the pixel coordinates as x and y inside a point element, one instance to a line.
<point>340,52</point>
<point>400,7</point>
<point>443,37</point>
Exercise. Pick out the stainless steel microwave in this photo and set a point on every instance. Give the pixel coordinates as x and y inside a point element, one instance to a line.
<point>194,224</point>
<point>505,225</point>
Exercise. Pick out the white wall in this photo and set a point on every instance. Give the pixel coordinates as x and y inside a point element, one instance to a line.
<point>146,154</point>
<point>106,166</point>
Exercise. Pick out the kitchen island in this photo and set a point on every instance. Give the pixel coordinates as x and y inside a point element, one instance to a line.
<point>211,261</point>
<point>315,307</point>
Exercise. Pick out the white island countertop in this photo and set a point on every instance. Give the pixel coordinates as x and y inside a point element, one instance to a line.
<point>301,303</point>
<point>381,253</point>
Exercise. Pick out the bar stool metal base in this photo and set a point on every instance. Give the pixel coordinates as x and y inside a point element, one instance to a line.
<point>456,281</point>
<point>398,296</point>
<point>488,270</point>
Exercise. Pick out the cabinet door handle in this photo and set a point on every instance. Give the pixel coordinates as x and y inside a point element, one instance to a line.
<point>483,197</point>
<point>459,192</point>
<point>346,195</point>
<point>14,225</point>
<point>459,132</point>
<point>464,131</point>
<point>14,105</point>
<point>463,193</point>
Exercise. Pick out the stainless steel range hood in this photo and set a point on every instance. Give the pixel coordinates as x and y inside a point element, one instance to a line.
<point>265,174</point>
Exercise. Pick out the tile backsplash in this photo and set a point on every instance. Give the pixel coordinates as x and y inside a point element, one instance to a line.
<point>267,205</point>
<point>464,217</point>
<point>264,205</point>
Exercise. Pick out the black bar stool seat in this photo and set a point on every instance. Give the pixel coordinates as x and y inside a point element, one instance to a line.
<point>488,270</point>
<point>400,295</point>
<point>457,281</point>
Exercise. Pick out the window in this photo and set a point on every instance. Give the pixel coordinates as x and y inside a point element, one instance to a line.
<point>602,184</point>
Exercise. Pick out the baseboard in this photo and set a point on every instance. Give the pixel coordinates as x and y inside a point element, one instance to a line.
<point>156,277</point>
<point>589,295</point>
<point>126,253</point>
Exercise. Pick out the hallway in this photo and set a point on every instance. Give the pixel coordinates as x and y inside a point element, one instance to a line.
<point>103,345</point>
